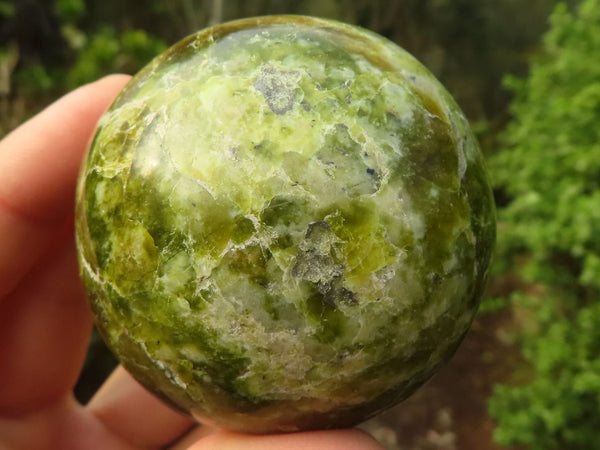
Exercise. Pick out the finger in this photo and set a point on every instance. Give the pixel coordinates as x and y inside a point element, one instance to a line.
<point>194,435</point>
<point>44,324</point>
<point>44,331</point>
<point>131,412</point>
<point>313,440</point>
<point>61,426</point>
<point>39,162</point>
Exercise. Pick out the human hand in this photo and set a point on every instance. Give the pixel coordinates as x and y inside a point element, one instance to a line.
<point>45,323</point>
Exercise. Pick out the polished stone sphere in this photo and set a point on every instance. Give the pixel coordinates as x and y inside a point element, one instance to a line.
<point>284,223</point>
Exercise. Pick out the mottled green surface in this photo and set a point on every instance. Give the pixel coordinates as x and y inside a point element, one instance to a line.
<point>284,223</point>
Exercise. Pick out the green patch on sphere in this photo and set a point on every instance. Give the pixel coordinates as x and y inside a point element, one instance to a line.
<point>284,223</point>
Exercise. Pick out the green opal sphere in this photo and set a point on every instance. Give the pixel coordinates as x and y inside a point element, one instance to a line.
<point>284,223</point>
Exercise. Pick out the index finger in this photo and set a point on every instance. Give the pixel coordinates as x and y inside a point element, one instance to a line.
<point>39,162</point>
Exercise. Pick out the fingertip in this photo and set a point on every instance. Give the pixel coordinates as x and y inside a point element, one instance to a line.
<point>348,439</point>
<point>130,411</point>
<point>112,80</point>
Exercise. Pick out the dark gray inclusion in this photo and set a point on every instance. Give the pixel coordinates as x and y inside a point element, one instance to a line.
<point>274,85</point>
<point>316,263</point>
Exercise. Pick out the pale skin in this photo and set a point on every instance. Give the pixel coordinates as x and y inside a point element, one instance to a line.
<point>45,323</point>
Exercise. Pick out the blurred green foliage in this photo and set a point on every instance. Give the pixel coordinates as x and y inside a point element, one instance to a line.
<point>7,9</point>
<point>69,11</point>
<point>549,171</point>
<point>106,51</point>
<point>34,79</point>
<point>468,44</point>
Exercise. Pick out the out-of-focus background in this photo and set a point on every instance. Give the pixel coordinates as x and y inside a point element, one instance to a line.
<point>527,74</point>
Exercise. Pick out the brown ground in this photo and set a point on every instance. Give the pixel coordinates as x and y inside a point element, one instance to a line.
<point>450,411</point>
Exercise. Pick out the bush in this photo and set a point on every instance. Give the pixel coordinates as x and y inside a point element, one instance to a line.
<point>108,52</point>
<point>550,173</point>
